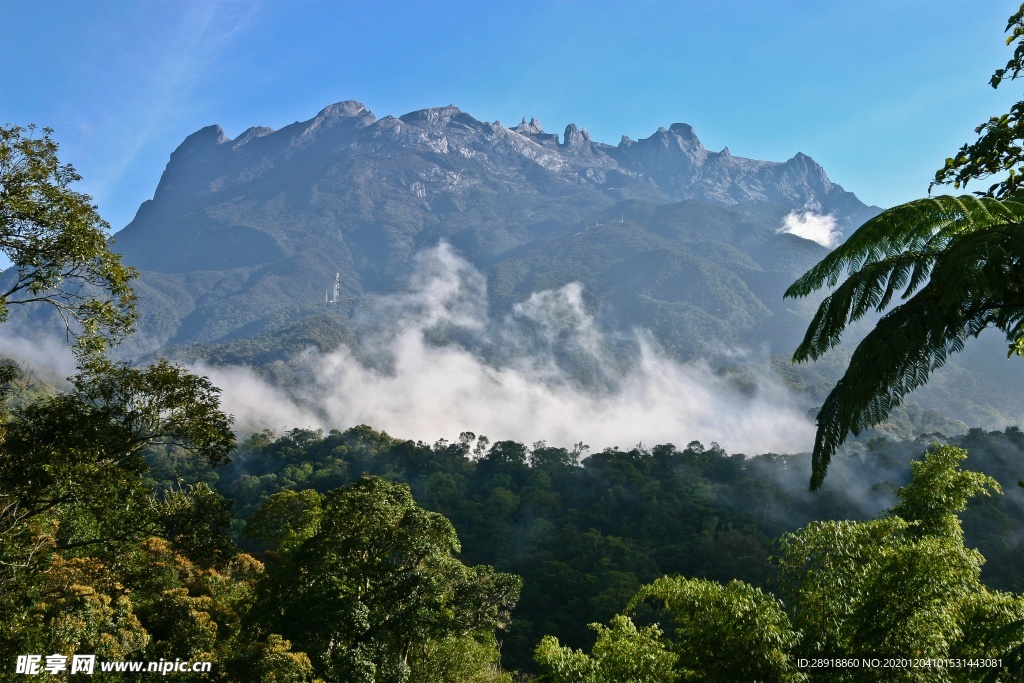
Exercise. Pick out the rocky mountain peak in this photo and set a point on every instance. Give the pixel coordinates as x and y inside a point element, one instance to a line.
<point>251,133</point>
<point>678,137</point>
<point>683,130</point>
<point>673,156</point>
<point>341,114</point>
<point>348,108</point>
<point>809,171</point>
<point>433,116</point>
<point>197,150</point>
<point>531,128</point>
<point>202,138</point>
<point>574,137</point>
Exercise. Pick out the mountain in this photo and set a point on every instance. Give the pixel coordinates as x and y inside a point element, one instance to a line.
<point>245,235</point>
<point>245,239</point>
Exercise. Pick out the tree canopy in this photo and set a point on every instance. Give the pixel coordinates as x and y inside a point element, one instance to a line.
<point>58,245</point>
<point>899,587</point>
<point>370,587</point>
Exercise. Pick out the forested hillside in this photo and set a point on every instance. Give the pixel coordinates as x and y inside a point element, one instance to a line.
<point>586,530</point>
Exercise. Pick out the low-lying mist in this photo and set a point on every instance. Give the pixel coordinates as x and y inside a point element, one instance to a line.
<point>431,362</point>
<point>35,351</point>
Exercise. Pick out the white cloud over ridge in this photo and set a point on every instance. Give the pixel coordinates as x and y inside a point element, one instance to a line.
<point>812,226</point>
<point>401,380</point>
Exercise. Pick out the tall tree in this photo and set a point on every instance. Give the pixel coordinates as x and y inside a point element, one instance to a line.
<point>93,559</point>
<point>622,653</point>
<point>76,502</point>
<point>371,589</point>
<point>959,262</point>
<point>58,245</point>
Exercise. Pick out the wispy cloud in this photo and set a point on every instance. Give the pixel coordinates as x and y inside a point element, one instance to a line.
<point>33,350</point>
<point>399,380</point>
<point>431,362</point>
<point>167,74</point>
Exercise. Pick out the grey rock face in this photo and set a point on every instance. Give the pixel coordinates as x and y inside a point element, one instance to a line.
<point>255,224</point>
<point>533,127</point>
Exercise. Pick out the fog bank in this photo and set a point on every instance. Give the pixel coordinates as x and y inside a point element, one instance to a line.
<point>430,362</point>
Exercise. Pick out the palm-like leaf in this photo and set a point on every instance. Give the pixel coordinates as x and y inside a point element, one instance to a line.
<point>958,262</point>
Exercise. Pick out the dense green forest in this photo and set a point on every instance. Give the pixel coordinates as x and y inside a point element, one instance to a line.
<point>586,532</point>
<point>355,555</point>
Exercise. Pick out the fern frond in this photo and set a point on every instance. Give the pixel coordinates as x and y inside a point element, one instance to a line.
<point>918,225</point>
<point>871,288</point>
<point>975,283</point>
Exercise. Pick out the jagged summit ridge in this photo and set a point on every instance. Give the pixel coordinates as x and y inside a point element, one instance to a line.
<point>671,164</point>
<point>533,127</point>
<point>242,234</point>
<point>364,186</point>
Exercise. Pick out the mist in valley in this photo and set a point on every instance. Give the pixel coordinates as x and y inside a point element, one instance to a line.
<point>432,361</point>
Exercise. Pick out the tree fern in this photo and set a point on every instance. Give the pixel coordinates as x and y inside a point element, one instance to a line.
<point>957,262</point>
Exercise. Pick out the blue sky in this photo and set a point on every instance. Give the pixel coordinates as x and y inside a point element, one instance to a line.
<point>878,92</point>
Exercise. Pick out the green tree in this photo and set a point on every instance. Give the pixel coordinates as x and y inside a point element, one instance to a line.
<point>272,661</point>
<point>959,262</point>
<point>287,519</point>
<point>900,586</point>
<point>76,502</point>
<point>78,456</point>
<point>998,148</point>
<point>376,591</point>
<point>58,245</point>
<point>93,558</point>
<point>729,633</point>
<point>622,653</point>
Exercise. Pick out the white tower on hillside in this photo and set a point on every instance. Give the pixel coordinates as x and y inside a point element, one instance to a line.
<point>336,297</point>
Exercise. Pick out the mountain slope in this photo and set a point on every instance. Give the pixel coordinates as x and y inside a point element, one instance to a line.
<point>243,235</point>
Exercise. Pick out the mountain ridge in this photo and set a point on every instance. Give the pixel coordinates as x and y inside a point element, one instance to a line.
<point>240,247</point>
<point>255,227</point>
<point>670,165</point>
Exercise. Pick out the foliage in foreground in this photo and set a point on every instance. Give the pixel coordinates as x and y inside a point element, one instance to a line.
<point>58,245</point>
<point>902,586</point>
<point>959,262</point>
<point>368,585</point>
